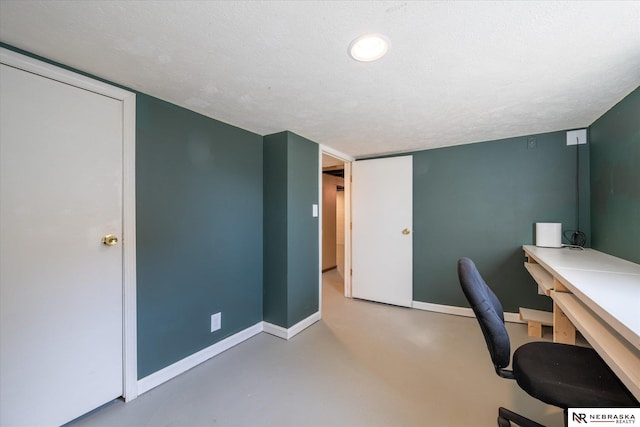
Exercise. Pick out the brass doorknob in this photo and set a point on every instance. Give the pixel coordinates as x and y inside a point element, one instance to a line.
<point>110,240</point>
<point>406,231</point>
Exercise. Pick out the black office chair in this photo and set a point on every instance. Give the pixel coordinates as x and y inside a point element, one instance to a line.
<point>562,375</point>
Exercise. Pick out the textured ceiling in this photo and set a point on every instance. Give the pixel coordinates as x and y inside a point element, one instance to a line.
<point>457,72</point>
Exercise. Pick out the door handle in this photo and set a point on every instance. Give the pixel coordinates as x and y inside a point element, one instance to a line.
<point>110,240</point>
<point>406,231</point>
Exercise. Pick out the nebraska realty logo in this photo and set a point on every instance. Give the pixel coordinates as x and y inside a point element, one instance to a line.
<point>582,416</point>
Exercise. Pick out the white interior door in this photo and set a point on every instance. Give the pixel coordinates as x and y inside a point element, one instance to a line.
<point>61,289</point>
<point>382,242</point>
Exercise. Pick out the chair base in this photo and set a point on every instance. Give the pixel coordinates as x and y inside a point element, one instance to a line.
<point>506,417</point>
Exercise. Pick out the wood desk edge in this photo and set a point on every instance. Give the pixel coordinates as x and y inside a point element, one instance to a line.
<point>623,358</point>
<point>623,329</point>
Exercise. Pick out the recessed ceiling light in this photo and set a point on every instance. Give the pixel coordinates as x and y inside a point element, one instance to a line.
<point>369,47</point>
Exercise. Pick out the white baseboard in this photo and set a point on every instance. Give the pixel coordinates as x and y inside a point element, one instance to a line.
<point>147,383</point>
<point>459,311</point>
<point>286,334</point>
<point>163,375</point>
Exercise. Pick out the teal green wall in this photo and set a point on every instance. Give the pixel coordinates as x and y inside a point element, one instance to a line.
<point>615,179</point>
<point>275,229</point>
<point>482,201</point>
<point>302,239</point>
<point>199,231</point>
<point>291,254</point>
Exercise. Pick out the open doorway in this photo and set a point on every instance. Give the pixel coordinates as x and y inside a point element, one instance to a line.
<point>332,215</point>
<point>335,239</point>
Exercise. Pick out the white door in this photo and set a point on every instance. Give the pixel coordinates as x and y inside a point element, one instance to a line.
<point>61,292</point>
<point>382,218</point>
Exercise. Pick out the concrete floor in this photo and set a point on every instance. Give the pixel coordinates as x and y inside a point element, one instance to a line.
<point>363,364</point>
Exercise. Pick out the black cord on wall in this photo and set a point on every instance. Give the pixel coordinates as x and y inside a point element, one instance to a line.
<point>577,238</point>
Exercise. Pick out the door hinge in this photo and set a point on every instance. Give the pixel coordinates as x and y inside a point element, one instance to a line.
<point>351,272</point>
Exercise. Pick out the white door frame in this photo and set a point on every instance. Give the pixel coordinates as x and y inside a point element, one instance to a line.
<point>347,218</point>
<point>129,342</point>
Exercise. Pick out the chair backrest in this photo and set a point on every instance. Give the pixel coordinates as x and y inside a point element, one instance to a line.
<point>489,313</point>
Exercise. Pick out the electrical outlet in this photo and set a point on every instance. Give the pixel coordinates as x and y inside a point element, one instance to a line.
<point>216,322</point>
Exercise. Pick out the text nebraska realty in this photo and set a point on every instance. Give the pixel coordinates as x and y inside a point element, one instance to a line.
<point>612,418</point>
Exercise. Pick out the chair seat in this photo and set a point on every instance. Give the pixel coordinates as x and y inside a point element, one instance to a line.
<point>568,376</point>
